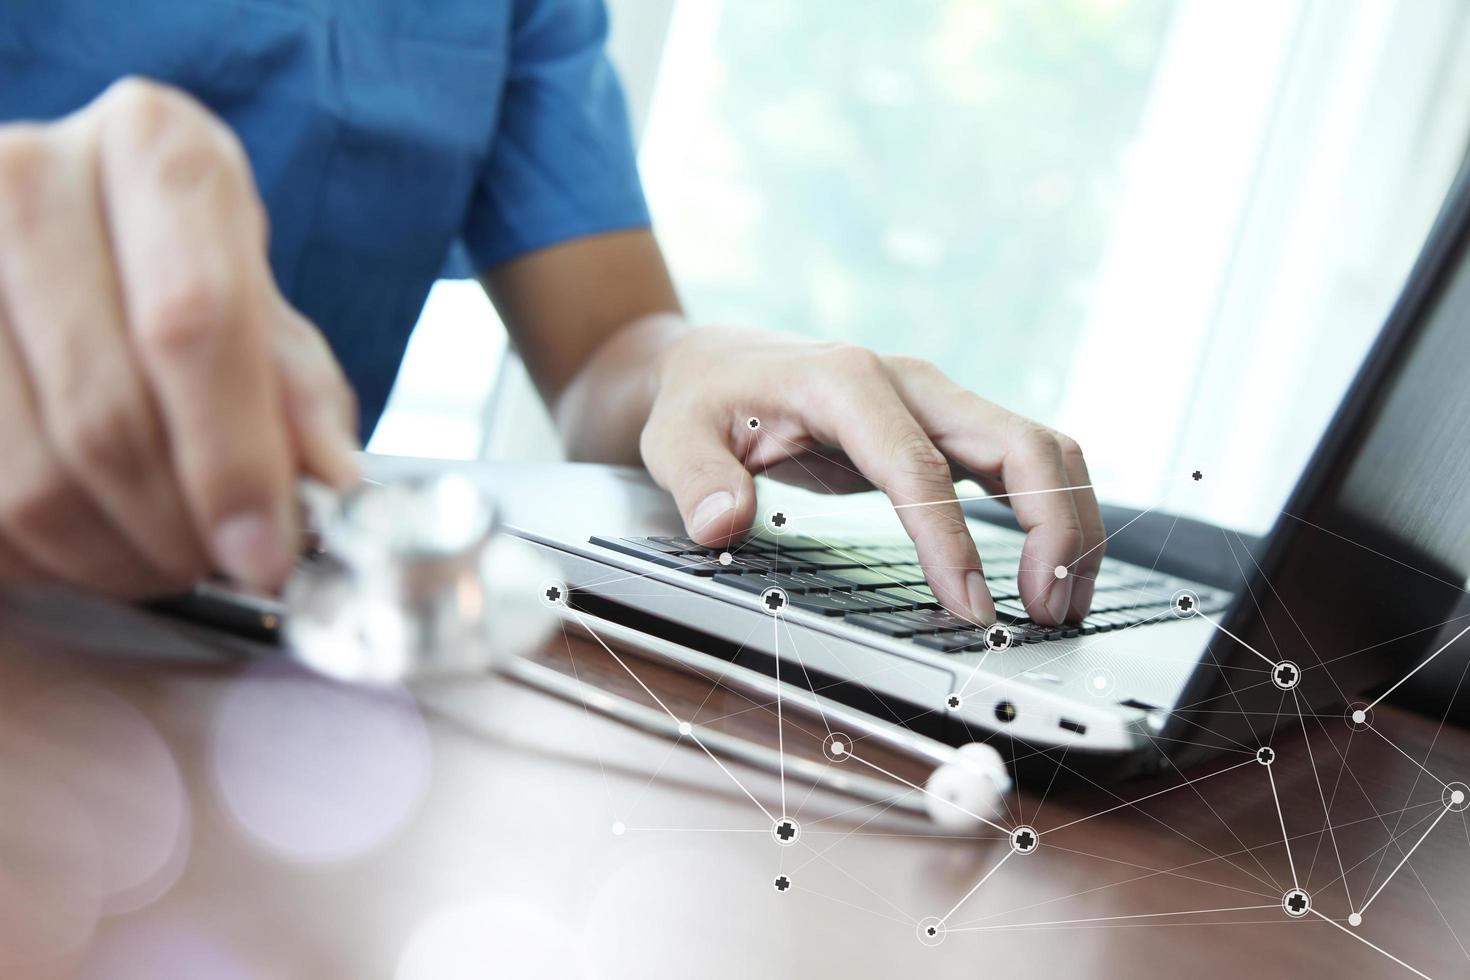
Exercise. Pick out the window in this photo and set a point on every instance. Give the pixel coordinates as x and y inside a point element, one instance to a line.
<point>937,178</point>
<point>1169,228</point>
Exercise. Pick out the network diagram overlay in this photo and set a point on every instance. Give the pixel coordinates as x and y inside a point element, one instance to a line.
<point>1327,881</point>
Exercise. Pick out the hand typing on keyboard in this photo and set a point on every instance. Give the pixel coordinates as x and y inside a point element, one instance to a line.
<point>842,418</point>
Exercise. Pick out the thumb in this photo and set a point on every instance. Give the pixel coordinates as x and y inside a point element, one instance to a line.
<point>714,492</point>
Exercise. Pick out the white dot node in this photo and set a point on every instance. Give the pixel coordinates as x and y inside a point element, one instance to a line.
<point>1060,571</point>
<point>1360,716</point>
<point>1100,682</point>
<point>685,728</point>
<point>726,558</point>
<point>618,828</point>
<point>836,746</point>
<point>1355,920</point>
<point>1456,797</point>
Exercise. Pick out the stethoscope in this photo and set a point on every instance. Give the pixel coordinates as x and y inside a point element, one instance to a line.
<point>411,582</point>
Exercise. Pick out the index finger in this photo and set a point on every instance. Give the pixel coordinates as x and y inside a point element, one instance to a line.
<point>1028,460</point>
<point>189,236</point>
<point>857,409</point>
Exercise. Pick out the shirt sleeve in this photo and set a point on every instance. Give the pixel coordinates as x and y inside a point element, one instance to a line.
<point>562,164</point>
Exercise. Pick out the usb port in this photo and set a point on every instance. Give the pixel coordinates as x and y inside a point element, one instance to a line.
<point>1073,726</point>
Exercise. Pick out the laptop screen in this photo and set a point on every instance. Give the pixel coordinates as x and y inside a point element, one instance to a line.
<point>1410,476</point>
<point>1369,560</point>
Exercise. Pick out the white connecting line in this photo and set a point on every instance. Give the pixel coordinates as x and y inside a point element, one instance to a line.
<point>1338,925</point>
<point>1379,890</point>
<point>1112,918</point>
<point>657,700</point>
<point>974,816</point>
<point>1222,629</point>
<point>1416,670</point>
<point>780,720</point>
<point>976,887</point>
<point>1285,837</point>
<point>886,506</point>
<point>1128,803</point>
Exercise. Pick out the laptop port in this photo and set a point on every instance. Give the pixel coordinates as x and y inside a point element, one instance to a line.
<point>1140,705</point>
<point>1073,726</point>
<point>1005,711</point>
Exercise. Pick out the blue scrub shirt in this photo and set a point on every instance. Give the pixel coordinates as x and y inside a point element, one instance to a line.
<point>391,139</point>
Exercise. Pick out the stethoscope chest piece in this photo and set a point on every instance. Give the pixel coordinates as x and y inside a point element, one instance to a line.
<point>400,589</point>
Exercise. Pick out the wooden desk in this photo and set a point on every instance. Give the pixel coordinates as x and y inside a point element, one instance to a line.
<point>171,817</point>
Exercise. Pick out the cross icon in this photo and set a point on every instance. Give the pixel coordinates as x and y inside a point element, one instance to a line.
<point>786,830</point>
<point>1197,476</point>
<point>953,701</point>
<point>1025,839</point>
<point>782,883</point>
<point>1297,903</point>
<point>1185,603</point>
<point>1265,756</point>
<point>1286,675</point>
<point>553,594</point>
<point>754,423</point>
<point>932,931</point>
<point>775,600</point>
<point>999,638</point>
<point>779,519</point>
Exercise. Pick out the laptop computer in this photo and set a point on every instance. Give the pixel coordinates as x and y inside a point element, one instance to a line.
<point>1345,595</point>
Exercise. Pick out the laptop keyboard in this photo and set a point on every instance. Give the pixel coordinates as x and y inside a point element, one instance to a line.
<point>880,587</point>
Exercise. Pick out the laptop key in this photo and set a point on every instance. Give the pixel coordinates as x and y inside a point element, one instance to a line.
<point>943,619</point>
<point>863,578</point>
<point>881,623</point>
<point>915,596</point>
<point>759,583</point>
<point>949,642</point>
<point>683,544</point>
<point>825,561</point>
<point>695,564</point>
<point>1011,608</point>
<point>834,604</point>
<point>655,544</point>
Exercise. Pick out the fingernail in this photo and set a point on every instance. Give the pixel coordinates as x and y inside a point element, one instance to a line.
<point>982,606</point>
<point>252,547</point>
<point>714,506</point>
<point>1082,589</point>
<point>1059,599</point>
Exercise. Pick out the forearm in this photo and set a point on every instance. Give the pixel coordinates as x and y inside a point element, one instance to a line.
<point>601,412</point>
<point>591,318</point>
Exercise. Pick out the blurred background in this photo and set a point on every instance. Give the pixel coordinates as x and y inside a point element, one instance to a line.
<point>1168,228</point>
